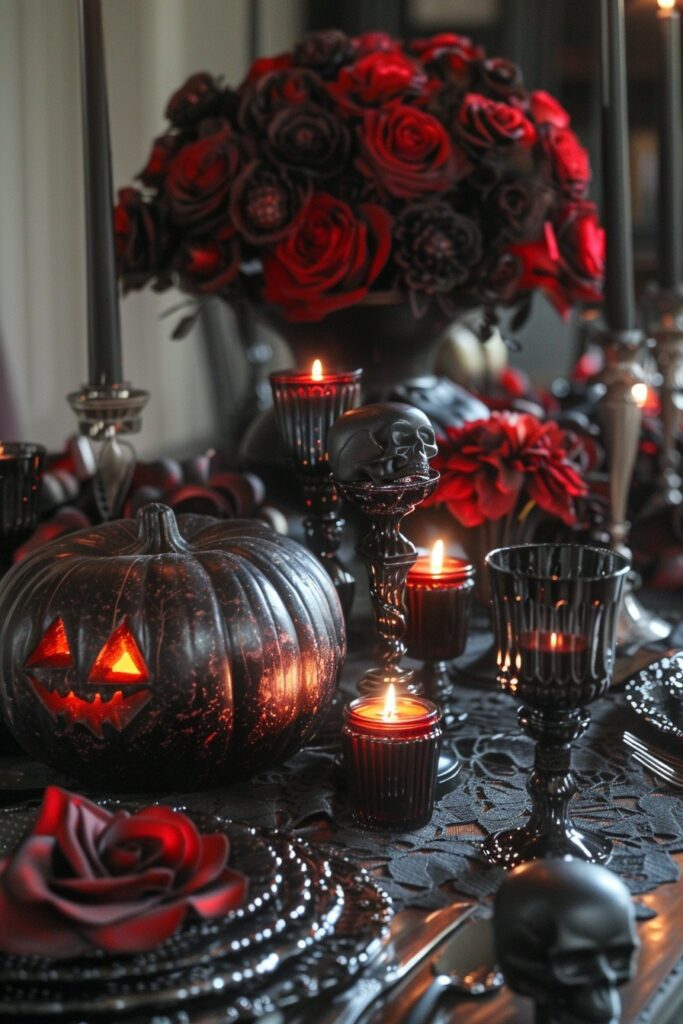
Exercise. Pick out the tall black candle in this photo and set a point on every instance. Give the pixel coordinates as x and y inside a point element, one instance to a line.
<point>104,331</point>
<point>620,308</point>
<point>670,229</point>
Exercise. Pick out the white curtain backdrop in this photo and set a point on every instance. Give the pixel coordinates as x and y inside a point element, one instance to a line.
<point>151,47</point>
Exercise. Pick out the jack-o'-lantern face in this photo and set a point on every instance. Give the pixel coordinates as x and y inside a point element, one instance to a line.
<point>116,687</point>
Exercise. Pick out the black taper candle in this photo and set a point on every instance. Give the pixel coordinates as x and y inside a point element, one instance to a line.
<point>670,221</point>
<point>620,307</point>
<point>104,331</point>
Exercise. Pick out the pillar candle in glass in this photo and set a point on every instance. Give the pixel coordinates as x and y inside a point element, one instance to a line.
<point>21,474</point>
<point>438,598</point>
<point>306,406</point>
<point>390,748</point>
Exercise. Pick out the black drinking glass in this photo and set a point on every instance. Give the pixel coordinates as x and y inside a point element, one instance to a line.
<point>21,474</point>
<point>555,610</point>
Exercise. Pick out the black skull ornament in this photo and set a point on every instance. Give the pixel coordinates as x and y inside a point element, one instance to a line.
<point>565,936</point>
<point>381,443</point>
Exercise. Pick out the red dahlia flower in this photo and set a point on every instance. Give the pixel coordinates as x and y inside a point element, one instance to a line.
<point>487,467</point>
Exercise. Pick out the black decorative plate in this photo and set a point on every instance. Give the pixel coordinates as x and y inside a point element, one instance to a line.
<point>656,694</point>
<point>305,906</point>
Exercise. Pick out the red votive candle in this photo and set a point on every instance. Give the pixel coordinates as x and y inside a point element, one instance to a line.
<point>390,747</point>
<point>545,653</point>
<point>438,598</point>
<point>307,403</point>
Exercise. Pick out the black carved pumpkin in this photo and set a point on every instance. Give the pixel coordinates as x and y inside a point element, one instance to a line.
<point>164,654</point>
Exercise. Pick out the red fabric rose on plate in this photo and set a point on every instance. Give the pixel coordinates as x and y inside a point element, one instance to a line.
<point>488,466</point>
<point>408,152</point>
<point>87,879</point>
<point>329,259</point>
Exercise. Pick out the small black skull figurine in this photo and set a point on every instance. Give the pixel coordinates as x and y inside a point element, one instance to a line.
<point>381,443</point>
<point>565,936</point>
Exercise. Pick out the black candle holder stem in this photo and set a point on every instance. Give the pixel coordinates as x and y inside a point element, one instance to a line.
<point>388,555</point>
<point>323,526</point>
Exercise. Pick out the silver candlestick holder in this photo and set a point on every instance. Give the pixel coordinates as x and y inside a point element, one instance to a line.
<point>104,414</point>
<point>620,413</point>
<point>667,344</point>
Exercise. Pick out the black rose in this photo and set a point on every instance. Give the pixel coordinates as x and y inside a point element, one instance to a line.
<point>264,203</point>
<point>436,247</point>
<point>522,205</point>
<point>263,97</point>
<point>325,52</point>
<point>499,280</point>
<point>501,79</point>
<point>309,139</point>
<point>199,97</point>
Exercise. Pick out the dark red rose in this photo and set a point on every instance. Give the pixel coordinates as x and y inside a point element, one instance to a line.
<point>329,259</point>
<point>199,97</point>
<point>87,879</point>
<point>136,235</point>
<point>278,90</point>
<point>546,110</point>
<point>484,124</point>
<point>500,79</point>
<point>490,467</point>
<point>408,152</point>
<point>264,65</point>
<point>428,49</point>
<point>435,246</point>
<point>264,203</point>
<point>324,52</point>
<point>567,262</point>
<point>499,282</point>
<point>164,148</point>
<point>208,265</point>
<point>581,242</point>
<point>570,161</point>
<point>200,177</point>
<point>377,80</point>
<point>308,139</point>
<point>375,42</point>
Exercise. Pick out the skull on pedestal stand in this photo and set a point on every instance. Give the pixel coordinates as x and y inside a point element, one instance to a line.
<point>379,456</point>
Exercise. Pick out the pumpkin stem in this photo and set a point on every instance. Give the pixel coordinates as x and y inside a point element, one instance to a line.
<point>158,531</point>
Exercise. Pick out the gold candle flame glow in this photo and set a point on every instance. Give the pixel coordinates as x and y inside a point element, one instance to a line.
<point>640,393</point>
<point>666,5</point>
<point>389,713</point>
<point>317,370</point>
<point>436,558</point>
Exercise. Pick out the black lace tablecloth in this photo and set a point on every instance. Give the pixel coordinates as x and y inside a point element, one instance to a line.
<point>430,867</point>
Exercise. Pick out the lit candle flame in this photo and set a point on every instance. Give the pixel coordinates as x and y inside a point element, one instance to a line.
<point>553,641</point>
<point>389,713</point>
<point>666,5</point>
<point>317,370</point>
<point>436,558</point>
<point>640,392</point>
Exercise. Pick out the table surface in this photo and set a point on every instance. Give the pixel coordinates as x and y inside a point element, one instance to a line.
<point>662,950</point>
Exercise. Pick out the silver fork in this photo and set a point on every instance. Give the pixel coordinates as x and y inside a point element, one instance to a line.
<point>670,769</point>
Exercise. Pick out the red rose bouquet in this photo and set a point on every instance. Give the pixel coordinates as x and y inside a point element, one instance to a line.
<point>490,468</point>
<point>356,164</point>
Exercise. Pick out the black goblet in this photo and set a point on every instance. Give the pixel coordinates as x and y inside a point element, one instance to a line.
<point>21,475</point>
<point>555,609</point>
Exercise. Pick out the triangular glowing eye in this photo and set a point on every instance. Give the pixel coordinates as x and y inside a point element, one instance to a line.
<point>53,650</point>
<point>120,660</point>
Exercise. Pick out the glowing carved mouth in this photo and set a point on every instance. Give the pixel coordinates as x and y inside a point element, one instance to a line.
<point>118,709</point>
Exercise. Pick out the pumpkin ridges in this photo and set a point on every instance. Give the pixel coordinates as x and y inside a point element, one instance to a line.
<point>226,604</point>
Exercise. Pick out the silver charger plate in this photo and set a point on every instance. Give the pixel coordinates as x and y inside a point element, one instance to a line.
<point>656,694</point>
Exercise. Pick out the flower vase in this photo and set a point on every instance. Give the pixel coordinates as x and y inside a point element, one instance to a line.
<point>517,527</point>
<point>396,352</point>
